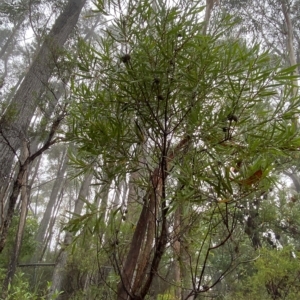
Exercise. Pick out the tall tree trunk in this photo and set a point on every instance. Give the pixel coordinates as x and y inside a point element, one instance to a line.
<point>295,178</point>
<point>18,241</point>
<point>11,37</point>
<point>177,251</point>
<point>290,49</point>
<point>290,35</point>
<point>49,232</point>
<point>208,10</point>
<point>16,120</point>
<point>57,186</point>
<point>18,183</point>
<point>59,270</point>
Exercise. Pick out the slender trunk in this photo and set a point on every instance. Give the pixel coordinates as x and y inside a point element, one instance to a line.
<point>147,245</point>
<point>17,185</point>
<point>5,194</point>
<point>49,233</point>
<point>12,203</point>
<point>18,241</point>
<point>253,224</point>
<point>290,34</point>
<point>57,186</point>
<point>208,9</point>
<point>290,50</point>
<point>295,178</point>
<point>134,192</point>
<point>60,270</point>
<point>11,37</point>
<point>177,250</point>
<point>124,289</point>
<point>103,271</point>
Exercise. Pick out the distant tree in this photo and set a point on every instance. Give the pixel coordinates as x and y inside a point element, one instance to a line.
<point>16,118</point>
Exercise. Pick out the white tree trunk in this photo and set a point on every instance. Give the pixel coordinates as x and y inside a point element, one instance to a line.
<point>57,186</point>
<point>59,270</point>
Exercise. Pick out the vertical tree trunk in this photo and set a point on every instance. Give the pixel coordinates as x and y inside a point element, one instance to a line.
<point>49,232</point>
<point>18,241</point>
<point>290,48</point>
<point>177,251</point>
<point>295,178</point>
<point>208,9</point>
<point>59,270</point>
<point>11,37</point>
<point>18,183</point>
<point>290,34</point>
<point>57,186</point>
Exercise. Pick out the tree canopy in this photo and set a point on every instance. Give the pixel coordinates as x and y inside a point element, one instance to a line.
<point>171,155</point>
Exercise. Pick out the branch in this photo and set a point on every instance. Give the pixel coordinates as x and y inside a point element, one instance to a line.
<point>18,182</point>
<point>37,265</point>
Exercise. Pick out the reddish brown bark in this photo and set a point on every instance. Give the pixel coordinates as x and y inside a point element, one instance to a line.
<point>135,281</point>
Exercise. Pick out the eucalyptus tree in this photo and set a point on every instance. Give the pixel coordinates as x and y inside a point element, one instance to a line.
<point>59,182</point>
<point>18,16</point>
<point>200,118</point>
<point>16,118</point>
<point>274,23</point>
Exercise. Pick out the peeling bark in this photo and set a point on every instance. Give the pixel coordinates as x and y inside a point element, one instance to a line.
<point>134,284</point>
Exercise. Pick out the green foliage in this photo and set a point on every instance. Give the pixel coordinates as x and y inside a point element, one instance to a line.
<point>218,111</point>
<point>166,296</point>
<point>28,242</point>
<point>169,97</point>
<point>20,289</point>
<point>278,272</point>
<point>276,276</point>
